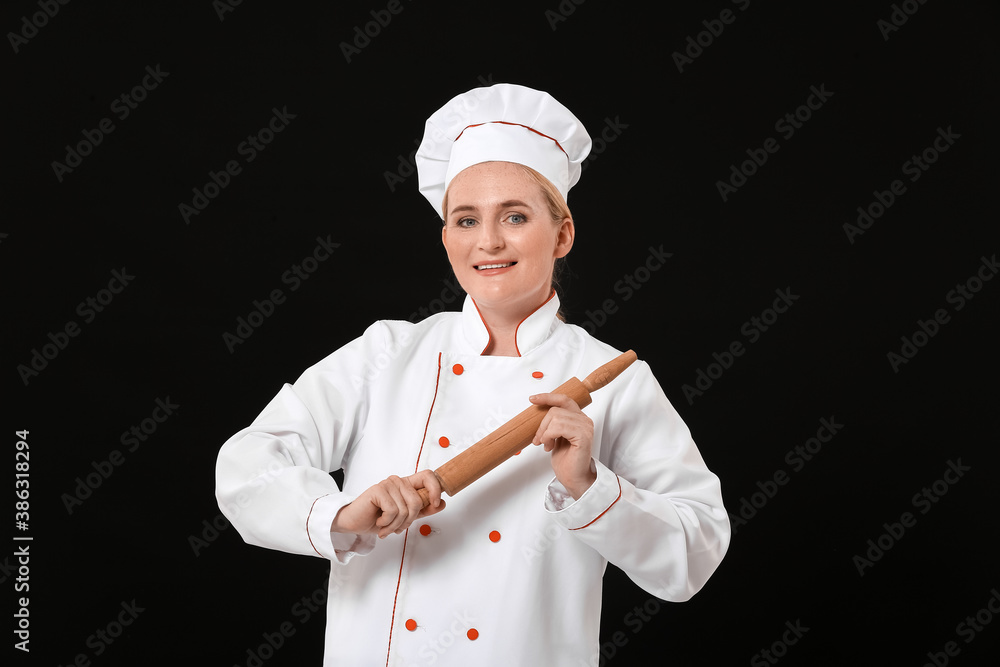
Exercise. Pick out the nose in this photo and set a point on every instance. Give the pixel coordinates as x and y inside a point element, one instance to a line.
<point>490,236</point>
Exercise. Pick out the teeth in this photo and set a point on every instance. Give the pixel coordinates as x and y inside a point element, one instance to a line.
<point>494,266</point>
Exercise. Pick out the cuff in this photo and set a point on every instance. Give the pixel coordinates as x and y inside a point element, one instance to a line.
<point>588,508</point>
<point>339,547</point>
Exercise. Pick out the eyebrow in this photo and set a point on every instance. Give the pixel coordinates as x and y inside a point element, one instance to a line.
<point>505,204</point>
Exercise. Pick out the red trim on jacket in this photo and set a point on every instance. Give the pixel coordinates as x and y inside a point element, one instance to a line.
<point>516,348</point>
<point>516,329</point>
<point>307,524</point>
<point>406,534</point>
<point>489,333</point>
<point>618,479</point>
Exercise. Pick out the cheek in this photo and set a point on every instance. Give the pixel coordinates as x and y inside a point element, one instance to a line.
<point>542,245</point>
<point>455,252</point>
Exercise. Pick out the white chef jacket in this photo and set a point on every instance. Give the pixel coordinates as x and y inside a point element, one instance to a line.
<point>509,573</point>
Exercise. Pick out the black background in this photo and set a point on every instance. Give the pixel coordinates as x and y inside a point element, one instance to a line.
<point>135,536</point>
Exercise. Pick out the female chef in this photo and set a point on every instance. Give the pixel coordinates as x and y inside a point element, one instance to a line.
<point>509,572</point>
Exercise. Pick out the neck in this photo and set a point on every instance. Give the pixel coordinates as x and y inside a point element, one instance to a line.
<point>503,326</point>
<point>503,338</point>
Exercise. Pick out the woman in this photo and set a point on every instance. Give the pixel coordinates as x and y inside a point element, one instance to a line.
<point>508,572</point>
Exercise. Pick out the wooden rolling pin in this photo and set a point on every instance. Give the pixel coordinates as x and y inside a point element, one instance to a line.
<point>517,433</point>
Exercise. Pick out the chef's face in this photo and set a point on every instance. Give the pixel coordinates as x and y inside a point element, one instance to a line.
<point>501,239</point>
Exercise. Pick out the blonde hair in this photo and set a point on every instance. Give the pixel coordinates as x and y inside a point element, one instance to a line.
<point>558,211</point>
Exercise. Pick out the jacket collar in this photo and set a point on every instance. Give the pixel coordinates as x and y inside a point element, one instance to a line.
<point>531,332</point>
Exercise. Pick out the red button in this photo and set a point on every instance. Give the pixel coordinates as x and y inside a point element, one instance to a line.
<point>457,369</point>
<point>425,530</point>
<point>443,441</point>
<point>411,625</point>
<point>473,634</point>
<point>495,536</point>
<point>538,374</point>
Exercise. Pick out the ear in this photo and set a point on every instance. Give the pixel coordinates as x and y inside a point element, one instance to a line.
<point>444,236</point>
<point>564,237</point>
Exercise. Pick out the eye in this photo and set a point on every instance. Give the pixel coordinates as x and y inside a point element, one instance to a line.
<point>516,219</point>
<point>465,222</point>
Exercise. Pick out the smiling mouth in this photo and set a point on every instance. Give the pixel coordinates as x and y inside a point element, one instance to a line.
<point>504,265</point>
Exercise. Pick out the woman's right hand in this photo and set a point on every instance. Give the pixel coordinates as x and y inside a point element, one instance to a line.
<point>390,506</point>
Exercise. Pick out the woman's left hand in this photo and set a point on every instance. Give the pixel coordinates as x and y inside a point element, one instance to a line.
<point>569,435</point>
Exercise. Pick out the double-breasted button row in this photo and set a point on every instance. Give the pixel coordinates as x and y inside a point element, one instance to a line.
<point>425,530</point>
<point>411,625</point>
<point>458,369</point>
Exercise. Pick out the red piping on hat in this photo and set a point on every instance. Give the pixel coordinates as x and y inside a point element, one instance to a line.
<point>504,122</point>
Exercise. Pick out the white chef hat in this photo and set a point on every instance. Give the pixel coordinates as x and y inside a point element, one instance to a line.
<point>504,122</point>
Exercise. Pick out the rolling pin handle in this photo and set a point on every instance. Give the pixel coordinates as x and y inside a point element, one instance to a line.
<point>609,371</point>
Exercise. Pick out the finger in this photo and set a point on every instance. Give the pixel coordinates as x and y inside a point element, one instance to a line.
<point>414,505</point>
<point>543,427</point>
<point>394,507</point>
<point>555,429</point>
<point>386,507</point>
<point>430,510</point>
<point>426,479</point>
<point>555,401</point>
<point>410,503</point>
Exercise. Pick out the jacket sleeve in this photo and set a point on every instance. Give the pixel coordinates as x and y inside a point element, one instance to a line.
<point>272,478</point>
<point>656,509</point>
